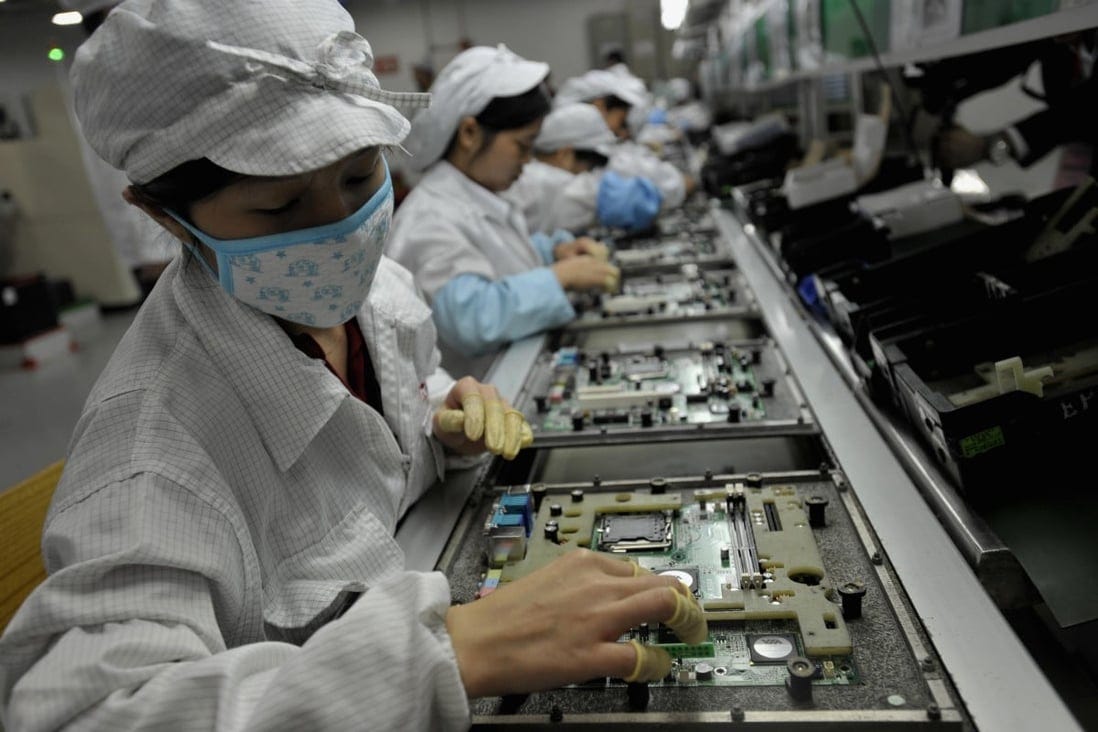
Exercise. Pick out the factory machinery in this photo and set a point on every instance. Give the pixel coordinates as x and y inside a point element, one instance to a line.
<point>694,425</point>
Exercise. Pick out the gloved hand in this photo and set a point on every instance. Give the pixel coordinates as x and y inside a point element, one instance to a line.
<point>688,622</point>
<point>560,624</point>
<point>587,273</point>
<point>475,418</point>
<point>580,246</point>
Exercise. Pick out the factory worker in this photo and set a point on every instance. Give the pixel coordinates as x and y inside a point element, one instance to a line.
<point>471,252</point>
<point>615,95</point>
<point>220,548</point>
<point>566,187</point>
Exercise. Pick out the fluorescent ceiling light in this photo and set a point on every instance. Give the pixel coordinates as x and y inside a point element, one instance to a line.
<point>70,18</point>
<point>673,13</point>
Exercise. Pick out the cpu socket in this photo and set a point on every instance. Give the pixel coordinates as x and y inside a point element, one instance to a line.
<point>635,532</point>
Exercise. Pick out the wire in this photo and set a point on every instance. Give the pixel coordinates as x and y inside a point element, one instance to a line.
<point>905,119</point>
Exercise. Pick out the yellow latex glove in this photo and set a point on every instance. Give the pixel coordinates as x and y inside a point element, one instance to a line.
<point>688,622</point>
<point>504,430</point>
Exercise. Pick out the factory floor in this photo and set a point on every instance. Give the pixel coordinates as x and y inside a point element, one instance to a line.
<point>39,407</point>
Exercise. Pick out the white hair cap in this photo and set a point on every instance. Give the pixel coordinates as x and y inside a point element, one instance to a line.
<point>268,88</point>
<point>464,88</point>
<point>577,125</point>
<point>599,83</point>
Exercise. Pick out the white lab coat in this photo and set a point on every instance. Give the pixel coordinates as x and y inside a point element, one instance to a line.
<point>223,495</point>
<point>450,225</point>
<point>552,198</point>
<point>635,160</point>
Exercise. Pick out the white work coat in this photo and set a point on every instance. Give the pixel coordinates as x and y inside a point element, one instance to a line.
<point>553,198</point>
<point>224,498</point>
<point>451,225</point>
<point>635,160</point>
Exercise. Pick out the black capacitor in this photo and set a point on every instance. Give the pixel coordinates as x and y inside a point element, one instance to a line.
<point>537,493</point>
<point>552,531</point>
<point>852,594</point>
<point>593,371</point>
<point>658,486</point>
<point>658,352</point>
<point>734,413</point>
<point>542,403</point>
<point>555,509</point>
<point>817,518</point>
<point>799,682</point>
<point>725,551</point>
<point>666,402</point>
<point>753,480</point>
<point>577,422</point>
<point>604,371</point>
<point>756,356</point>
<point>577,495</point>
<point>768,387</point>
<point>646,418</point>
<point>605,357</point>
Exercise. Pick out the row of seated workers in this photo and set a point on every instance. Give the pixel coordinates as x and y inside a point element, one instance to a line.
<point>509,178</point>
<point>220,549</point>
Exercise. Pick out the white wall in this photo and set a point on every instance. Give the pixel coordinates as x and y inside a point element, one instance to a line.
<point>25,38</point>
<point>554,31</point>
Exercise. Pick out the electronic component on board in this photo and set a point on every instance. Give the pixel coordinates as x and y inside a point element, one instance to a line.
<point>635,532</point>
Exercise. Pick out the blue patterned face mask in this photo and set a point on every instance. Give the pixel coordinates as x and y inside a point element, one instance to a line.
<point>318,276</point>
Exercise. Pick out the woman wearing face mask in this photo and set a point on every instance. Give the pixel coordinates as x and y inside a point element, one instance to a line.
<point>220,546</point>
<point>487,279</point>
<point>566,185</point>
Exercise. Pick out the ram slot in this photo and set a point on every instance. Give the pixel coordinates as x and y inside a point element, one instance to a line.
<point>743,540</point>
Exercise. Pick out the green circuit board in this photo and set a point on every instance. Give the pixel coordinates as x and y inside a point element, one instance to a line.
<point>712,383</point>
<point>747,553</point>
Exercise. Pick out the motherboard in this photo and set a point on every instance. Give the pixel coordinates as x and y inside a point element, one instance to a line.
<point>745,550</point>
<point>690,293</point>
<point>804,625</point>
<point>712,385</point>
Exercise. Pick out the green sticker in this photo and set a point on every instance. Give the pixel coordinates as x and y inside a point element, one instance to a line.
<point>982,442</point>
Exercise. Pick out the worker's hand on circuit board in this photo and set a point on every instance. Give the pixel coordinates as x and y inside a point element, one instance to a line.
<point>585,272</point>
<point>476,418</point>
<point>580,246</point>
<point>561,625</point>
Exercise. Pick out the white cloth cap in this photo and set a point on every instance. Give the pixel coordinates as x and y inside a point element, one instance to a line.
<point>576,125</point>
<point>464,88</point>
<point>268,88</point>
<point>601,83</point>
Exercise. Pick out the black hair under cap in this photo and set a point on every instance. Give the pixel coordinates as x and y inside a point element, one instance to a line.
<point>509,113</point>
